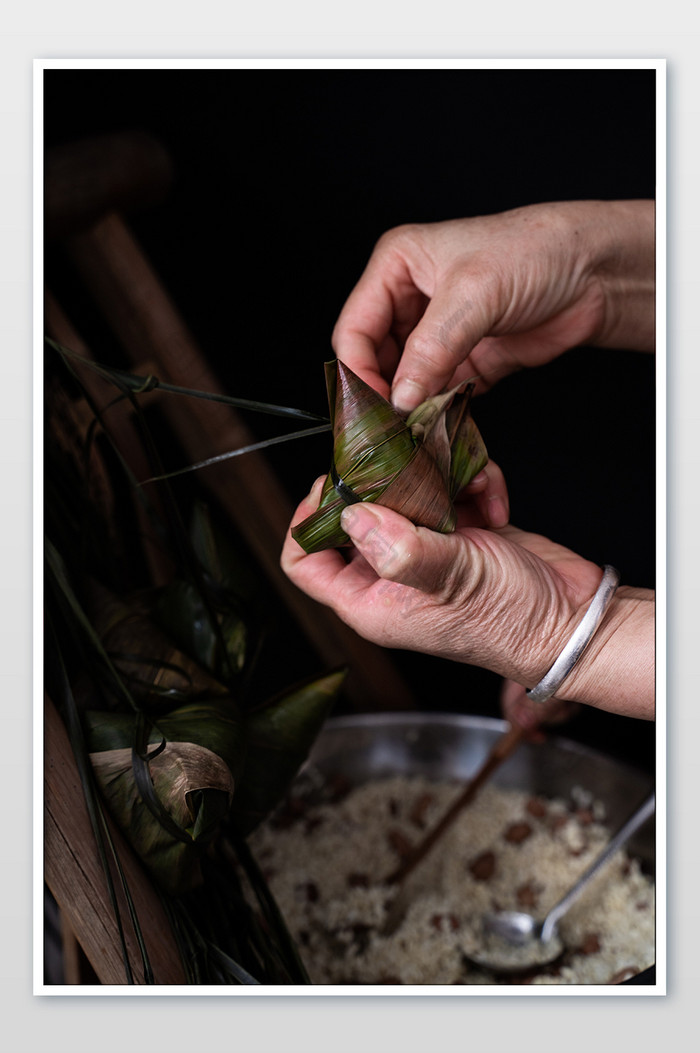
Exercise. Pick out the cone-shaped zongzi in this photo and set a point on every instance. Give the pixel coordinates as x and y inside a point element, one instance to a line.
<point>414,466</point>
<point>196,756</point>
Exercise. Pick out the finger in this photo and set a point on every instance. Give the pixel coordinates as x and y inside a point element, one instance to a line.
<point>487,500</point>
<point>490,360</point>
<point>519,712</point>
<point>310,503</point>
<point>317,573</point>
<point>378,316</point>
<point>363,329</point>
<point>388,356</point>
<point>359,353</point>
<point>291,549</point>
<point>518,709</point>
<point>400,552</point>
<point>453,323</point>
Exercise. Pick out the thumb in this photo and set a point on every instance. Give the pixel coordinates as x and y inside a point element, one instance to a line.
<point>399,551</point>
<point>453,323</point>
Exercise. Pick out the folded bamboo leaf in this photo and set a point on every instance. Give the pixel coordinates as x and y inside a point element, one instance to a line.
<point>181,611</point>
<point>194,774</point>
<point>126,381</point>
<point>195,787</point>
<point>212,723</point>
<point>414,466</point>
<point>468,452</point>
<point>224,565</point>
<point>280,735</point>
<point>155,670</point>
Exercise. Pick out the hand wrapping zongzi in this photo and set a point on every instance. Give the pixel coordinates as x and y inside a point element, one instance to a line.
<point>414,466</point>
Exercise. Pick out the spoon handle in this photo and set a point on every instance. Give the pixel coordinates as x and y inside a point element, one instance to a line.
<point>630,827</point>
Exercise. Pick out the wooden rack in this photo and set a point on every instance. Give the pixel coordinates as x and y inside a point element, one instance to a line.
<point>90,188</point>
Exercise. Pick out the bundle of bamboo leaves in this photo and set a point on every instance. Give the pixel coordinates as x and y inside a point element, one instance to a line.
<point>171,780</point>
<point>190,756</point>
<point>157,688</point>
<point>416,466</point>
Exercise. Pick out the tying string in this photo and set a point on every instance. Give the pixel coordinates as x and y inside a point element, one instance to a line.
<point>346,493</point>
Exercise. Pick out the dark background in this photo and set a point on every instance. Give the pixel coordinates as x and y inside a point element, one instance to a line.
<point>283,182</point>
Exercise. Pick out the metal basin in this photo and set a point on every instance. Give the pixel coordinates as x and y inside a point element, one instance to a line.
<point>356,749</point>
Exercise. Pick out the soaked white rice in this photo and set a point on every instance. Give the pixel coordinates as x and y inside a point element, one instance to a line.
<point>507,850</point>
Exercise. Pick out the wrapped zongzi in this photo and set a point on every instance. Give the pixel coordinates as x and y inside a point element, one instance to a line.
<point>416,466</point>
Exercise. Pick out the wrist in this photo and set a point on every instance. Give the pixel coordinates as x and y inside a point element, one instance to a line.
<point>622,263</point>
<point>616,672</point>
<point>578,640</point>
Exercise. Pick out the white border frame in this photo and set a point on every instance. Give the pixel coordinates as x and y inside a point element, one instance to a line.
<point>40,65</point>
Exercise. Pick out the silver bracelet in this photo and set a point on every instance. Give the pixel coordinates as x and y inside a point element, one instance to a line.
<point>582,636</point>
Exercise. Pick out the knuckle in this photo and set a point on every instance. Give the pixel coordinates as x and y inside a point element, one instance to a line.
<point>395,553</point>
<point>431,349</point>
<point>398,239</point>
<point>400,560</point>
<point>459,579</point>
<point>389,238</point>
<point>392,556</point>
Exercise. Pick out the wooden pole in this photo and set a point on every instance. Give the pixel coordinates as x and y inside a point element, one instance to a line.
<point>74,874</point>
<point>151,331</point>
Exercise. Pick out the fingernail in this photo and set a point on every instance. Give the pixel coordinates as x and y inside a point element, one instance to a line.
<point>497,512</point>
<point>358,520</point>
<point>315,491</point>
<point>406,395</point>
<point>479,482</point>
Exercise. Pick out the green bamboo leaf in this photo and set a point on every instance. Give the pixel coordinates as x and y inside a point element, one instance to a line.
<point>406,465</point>
<point>181,610</point>
<point>213,724</point>
<point>280,735</point>
<point>469,455</point>
<point>264,444</point>
<point>141,385</point>
<point>154,669</point>
<point>193,772</point>
<point>226,570</point>
<point>176,773</point>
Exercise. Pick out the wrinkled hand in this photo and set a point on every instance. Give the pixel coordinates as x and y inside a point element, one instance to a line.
<point>442,302</point>
<point>504,600</point>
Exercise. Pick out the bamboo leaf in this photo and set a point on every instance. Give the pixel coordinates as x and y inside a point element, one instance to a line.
<point>193,809</point>
<point>154,669</point>
<point>225,568</point>
<point>279,736</point>
<point>141,385</point>
<point>192,776</point>
<point>264,444</point>
<point>413,466</point>
<point>181,610</point>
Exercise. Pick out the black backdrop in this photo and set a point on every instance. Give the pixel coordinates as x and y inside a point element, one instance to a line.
<point>284,180</point>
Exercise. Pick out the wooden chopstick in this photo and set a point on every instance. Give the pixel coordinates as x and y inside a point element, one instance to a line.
<point>502,749</point>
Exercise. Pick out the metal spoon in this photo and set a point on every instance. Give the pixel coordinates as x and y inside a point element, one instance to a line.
<point>514,941</point>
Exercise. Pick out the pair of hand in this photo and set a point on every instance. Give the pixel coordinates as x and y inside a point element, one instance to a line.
<point>482,297</point>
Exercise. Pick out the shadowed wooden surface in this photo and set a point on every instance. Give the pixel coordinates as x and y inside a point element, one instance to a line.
<point>88,186</point>
<point>74,874</point>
